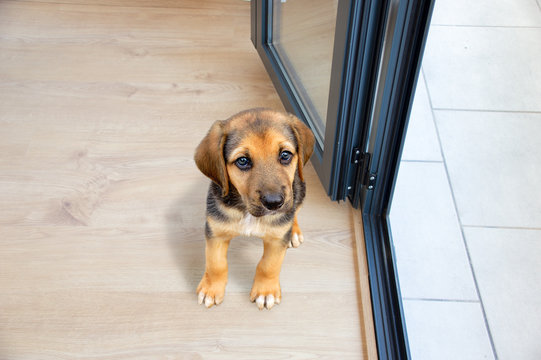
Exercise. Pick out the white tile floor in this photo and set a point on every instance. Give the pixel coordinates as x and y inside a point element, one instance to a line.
<point>466,215</point>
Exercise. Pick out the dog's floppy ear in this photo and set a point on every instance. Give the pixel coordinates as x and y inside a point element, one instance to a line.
<point>209,156</point>
<point>305,142</point>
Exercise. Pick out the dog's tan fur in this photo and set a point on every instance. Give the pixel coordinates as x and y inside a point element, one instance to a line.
<point>260,200</point>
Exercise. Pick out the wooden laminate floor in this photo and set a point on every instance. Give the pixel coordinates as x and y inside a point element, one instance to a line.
<point>102,208</point>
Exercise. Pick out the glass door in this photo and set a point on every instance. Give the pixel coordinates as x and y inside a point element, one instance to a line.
<point>349,69</point>
<point>303,36</point>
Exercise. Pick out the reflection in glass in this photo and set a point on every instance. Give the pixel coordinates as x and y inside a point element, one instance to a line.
<point>303,35</point>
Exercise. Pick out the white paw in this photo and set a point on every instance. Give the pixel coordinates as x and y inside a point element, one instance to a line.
<point>209,301</point>
<point>296,240</point>
<point>266,301</point>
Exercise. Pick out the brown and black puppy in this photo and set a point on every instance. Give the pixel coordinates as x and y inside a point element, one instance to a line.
<point>255,161</point>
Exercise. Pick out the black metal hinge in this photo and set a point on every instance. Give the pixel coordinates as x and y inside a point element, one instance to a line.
<point>362,161</point>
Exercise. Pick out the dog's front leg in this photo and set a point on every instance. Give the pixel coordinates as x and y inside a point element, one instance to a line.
<point>211,289</point>
<point>266,288</point>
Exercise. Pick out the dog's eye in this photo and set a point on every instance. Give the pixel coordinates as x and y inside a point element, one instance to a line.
<point>285,157</point>
<point>243,163</point>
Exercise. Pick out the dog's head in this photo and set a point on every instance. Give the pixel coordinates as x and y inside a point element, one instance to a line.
<point>259,152</point>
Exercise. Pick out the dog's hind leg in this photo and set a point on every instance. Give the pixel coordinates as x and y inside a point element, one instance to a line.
<point>296,235</point>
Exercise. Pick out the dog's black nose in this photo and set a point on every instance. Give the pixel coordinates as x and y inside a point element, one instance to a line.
<point>272,201</point>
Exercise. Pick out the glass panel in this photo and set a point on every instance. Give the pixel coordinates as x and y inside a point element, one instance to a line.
<point>303,36</point>
<point>466,211</point>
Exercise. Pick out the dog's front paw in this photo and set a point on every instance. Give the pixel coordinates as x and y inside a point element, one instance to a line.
<point>266,293</point>
<point>210,292</point>
<point>296,236</point>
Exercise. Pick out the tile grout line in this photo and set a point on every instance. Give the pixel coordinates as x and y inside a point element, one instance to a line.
<point>422,161</point>
<point>488,26</point>
<point>490,338</point>
<point>500,227</point>
<point>488,111</point>
<point>442,300</point>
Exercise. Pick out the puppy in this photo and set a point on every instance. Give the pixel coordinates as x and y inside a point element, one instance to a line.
<point>255,161</point>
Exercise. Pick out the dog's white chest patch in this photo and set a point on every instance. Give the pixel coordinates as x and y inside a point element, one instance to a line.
<point>251,226</point>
